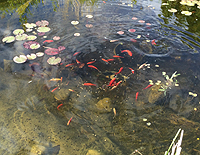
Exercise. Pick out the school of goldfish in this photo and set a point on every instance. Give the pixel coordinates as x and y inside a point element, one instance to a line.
<point>112,84</point>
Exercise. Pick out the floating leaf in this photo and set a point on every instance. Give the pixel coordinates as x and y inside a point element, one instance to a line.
<point>187,13</point>
<point>34,46</point>
<point>43,29</point>
<point>131,30</point>
<point>29,43</point>
<point>141,21</point>
<point>88,25</point>
<point>54,61</point>
<point>20,59</point>
<point>120,32</point>
<point>172,10</point>
<point>148,24</point>
<point>134,18</point>
<point>41,33</point>
<point>165,3</point>
<point>74,22</point>
<point>133,40</point>
<point>39,54</point>
<point>8,39</point>
<point>31,37</point>
<point>30,25</point>
<point>18,31</point>
<point>61,48</point>
<point>29,30</point>
<point>21,37</point>
<point>56,38</point>
<point>52,51</point>
<point>139,36</point>
<point>42,23</point>
<point>89,16</point>
<point>31,56</point>
<point>77,34</point>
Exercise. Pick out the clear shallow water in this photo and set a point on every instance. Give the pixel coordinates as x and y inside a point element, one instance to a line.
<point>30,120</point>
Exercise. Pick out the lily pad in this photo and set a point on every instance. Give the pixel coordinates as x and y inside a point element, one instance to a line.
<point>54,60</point>
<point>18,31</point>
<point>20,59</point>
<point>172,10</point>
<point>77,34</point>
<point>43,29</point>
<point>34,46</point>
<point>21,37</point>
<point>131,30</point>
<point>29,43</point>
<point>74,22</point>
<point>29,30</point>
<point>30,25</point>
<point>42,23</point>
<point>31,37</point>
<point>52,51</point>
<point>89,16</point>
<point>31,56</point>
<point>187,13</point>
<point>56,38</point>
<point>61,48</point>
<point>41,33</point>
<point>39,54</point>
<point>8,39</point>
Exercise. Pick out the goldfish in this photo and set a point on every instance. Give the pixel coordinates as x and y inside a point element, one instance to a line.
<point>132,70</point>
<point>153,42</point>
<point>91,62</point>
<point>117,56</point>
<point>78,62</point>
<point>136,96</point>
<point>114,111</point>
<point>91,66</point>
<point>111,82</point>
<point>48,41</point>
<point>56,79</point>
<point>70,65</point>
<point>141,66</point>
<point>120,70</point>
<point>76,53</point>
<point>59,106</point>
<point>54,89</point>
<point>89,84</point>
<point>128,51</point>
<point>105,60</point>
<point>150,85</point>
<point>69,121</point>
<point>110,59</point>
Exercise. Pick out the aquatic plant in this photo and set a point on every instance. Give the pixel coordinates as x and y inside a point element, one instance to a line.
<point>169,82</point>
<point>175,147</point>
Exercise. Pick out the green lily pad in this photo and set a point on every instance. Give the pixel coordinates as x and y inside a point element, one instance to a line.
<point>30,25</point>
<point>54,60</point>
<point>31,37</point>
<point>21,37</point>
<point>18,31</point>
<point>8,39</point>
<point>172,10</point>
<point>42,23</point>
<point>34,46</point>
<point>29,30</point>
<point>31,56</point>
<point>39,54</point>
<point>43,29</point>
<point>20,59</point>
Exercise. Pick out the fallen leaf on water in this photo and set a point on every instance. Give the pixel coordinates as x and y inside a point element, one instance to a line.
<point>56,38</point>
<point>52,51</point>
<point>77,34</point>
<point>88,25</point>
<point>42,23</point>
<point>120,32</point>
<point>74,22</point>
<point>172,10</point>
<point>141,21</point>
<point>89,16</point>
<point>133,40</point>
<point>131,30</point>
<point>134,18</point>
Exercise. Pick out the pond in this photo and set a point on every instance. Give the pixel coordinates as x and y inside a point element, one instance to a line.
<point>99,77</point>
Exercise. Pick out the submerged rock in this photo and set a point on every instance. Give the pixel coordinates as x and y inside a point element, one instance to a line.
<point>62,94</point>
<point>104,104</point>
<point>93,152</point>
<point>154,94</point>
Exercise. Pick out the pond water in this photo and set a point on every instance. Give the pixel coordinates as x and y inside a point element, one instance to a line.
<point>126,77</point>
